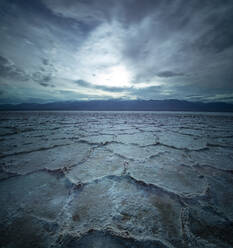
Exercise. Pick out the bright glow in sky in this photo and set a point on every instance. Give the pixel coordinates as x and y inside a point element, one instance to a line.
<point>116,76</point>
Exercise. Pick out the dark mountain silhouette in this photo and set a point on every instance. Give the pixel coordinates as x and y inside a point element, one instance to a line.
<point>124,105</point>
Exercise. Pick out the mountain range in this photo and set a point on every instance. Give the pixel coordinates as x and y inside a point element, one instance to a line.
<point>124,105</point>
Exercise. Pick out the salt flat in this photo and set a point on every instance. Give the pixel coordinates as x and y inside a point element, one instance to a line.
<point>116,179</point>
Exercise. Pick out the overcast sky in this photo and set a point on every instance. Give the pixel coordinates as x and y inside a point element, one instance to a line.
<point>55,50</point>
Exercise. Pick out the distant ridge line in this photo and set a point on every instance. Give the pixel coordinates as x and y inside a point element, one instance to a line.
<point>124,105</point>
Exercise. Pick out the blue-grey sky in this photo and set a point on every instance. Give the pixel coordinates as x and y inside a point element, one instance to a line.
<point>56,50</point>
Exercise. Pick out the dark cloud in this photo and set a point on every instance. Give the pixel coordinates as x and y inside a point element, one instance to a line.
<point>9,70</point>
<point>43,79</point>
<point>3,61</point>
<point>46,84</point>
<point>219,33</point>
<point>167,74</point>
<point>45,62</point>
<point>45,75</point>
<point>40,77</point>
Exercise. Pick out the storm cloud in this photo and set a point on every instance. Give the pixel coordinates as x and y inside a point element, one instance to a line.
<point>116,49</point>
<point>167,74</point>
